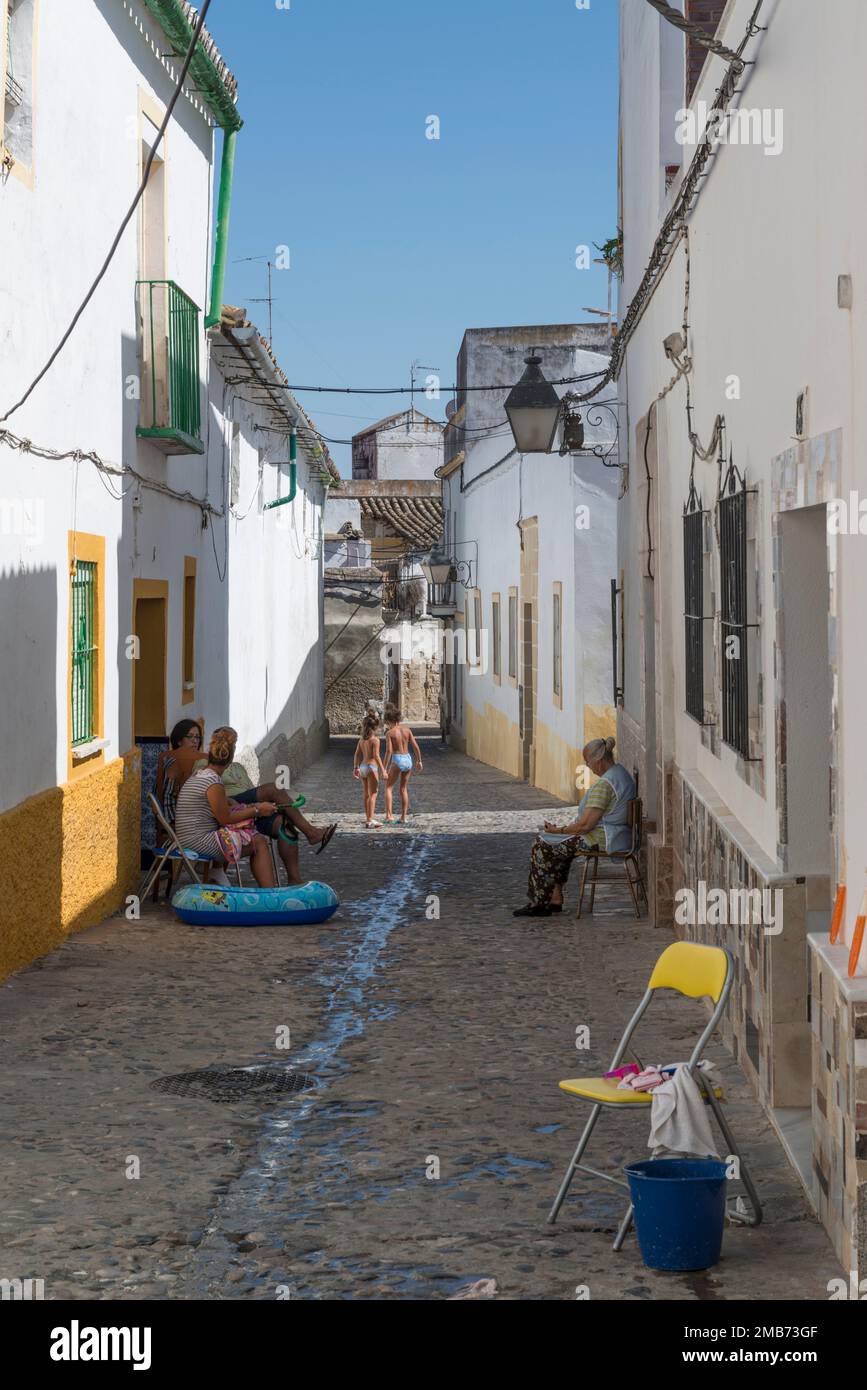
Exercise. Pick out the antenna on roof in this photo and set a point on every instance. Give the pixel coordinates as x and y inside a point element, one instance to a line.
<point>603,313</point>
<point>414,367</point>
<point>266,299</point>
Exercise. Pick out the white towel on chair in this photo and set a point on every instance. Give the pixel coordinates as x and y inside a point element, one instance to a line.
<point>678,1118</point>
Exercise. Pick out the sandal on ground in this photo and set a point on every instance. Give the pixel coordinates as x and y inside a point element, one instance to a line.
<point>373,825</point>
<point>326,838</point>
<point>533,910</point>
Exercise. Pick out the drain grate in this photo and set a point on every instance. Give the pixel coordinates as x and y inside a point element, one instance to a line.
<point>226,1086</point>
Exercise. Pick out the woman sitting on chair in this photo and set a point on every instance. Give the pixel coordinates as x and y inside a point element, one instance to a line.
<point>207,821</point>
<point>602,821</point>
<point>176,762</point>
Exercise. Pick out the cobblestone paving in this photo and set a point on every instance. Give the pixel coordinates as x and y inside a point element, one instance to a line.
<point>433,1041</point>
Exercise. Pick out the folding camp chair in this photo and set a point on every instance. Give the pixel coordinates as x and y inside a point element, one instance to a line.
<point>629,858</point>
<point>694,971</point>
<point>173,853</point>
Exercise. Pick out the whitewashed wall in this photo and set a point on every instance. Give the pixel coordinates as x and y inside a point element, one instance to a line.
<point>769,237</point>
<point>550,488</point>
<point>53,237</point>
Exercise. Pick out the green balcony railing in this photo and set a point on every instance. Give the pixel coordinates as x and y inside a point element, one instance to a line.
<point>171,405</point>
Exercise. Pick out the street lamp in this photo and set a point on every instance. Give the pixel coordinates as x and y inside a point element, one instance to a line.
<point>436,567</point>
<point>533,408</point>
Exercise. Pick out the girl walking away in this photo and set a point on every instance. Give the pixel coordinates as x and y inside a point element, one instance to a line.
<point>368,766</point>
<point>398,761</point>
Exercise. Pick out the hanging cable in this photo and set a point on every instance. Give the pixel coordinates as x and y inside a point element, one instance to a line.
<point>26,446</point>
<point>696,32</point>
<point>675,223</point>
<point>126,220</point>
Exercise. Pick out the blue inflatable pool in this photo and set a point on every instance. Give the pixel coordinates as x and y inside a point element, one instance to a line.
<point>206,905</point>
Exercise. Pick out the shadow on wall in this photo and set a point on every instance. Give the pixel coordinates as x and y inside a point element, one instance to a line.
<point>289,743</point>
<point>66,850</point>
<point>31,834</point>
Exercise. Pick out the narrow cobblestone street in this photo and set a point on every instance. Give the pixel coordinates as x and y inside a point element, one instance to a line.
<point>428,1039</point>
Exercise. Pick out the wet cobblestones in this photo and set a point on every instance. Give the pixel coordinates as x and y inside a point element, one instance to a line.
<point>429,1153</point>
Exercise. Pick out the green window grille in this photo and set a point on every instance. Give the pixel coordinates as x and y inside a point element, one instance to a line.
<point>83,693</point>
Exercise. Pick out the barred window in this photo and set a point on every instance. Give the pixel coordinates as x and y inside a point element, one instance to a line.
<point>84,653</point>
<point>735,623</point>
<point>693,604</point>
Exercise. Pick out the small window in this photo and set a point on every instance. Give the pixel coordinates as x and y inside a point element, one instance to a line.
<point>513,634</point>
<point>83,694</point>
<point>693,594</point>
<point>476,648</point>
<point>735,625</point>
<point>557,632</point>
<point>189,653</point>
<point>496,639</point>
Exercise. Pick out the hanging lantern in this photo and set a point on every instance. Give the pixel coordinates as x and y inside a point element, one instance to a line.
<point>533,408</point>
<point>437,568</point>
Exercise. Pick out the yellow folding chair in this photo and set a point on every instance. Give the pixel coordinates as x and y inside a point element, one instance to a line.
<point>696,972</point>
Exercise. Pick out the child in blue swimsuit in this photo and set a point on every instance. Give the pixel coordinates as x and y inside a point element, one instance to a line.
<point>398,761</point>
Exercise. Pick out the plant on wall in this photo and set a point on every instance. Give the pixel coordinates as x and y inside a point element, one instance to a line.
<point>611,252</point>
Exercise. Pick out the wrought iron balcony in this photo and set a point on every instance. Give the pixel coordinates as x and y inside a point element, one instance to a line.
<point>171,406</point>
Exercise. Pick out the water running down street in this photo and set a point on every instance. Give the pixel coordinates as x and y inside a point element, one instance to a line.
<point>436,1044</point>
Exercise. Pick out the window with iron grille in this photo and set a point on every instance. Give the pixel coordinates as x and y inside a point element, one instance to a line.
<point>84,653</point>
<point>735,624</point>
<point>693,604</point>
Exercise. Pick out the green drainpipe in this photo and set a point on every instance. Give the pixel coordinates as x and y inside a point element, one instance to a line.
<point>293,476</point>
<point>220,99</point>
<point>221,246</point>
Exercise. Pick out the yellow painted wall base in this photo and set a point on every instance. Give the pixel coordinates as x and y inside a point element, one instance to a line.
<point>69,857</point>
<point>494,739</point>
<point>557,762</point>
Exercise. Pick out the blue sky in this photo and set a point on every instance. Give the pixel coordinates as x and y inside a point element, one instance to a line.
<point>397,242</point>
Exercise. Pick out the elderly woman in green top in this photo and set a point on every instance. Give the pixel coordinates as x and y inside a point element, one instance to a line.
<point>601,820</point>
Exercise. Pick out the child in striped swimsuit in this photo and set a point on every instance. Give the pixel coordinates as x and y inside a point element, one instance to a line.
<point>368,765</point>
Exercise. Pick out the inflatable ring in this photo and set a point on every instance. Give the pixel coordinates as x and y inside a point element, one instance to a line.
<point>209,905</point>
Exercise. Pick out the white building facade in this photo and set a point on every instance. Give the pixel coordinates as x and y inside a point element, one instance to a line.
<point>532,539</point>
<point>742,562</point>
<point>405,445</point>
<point>141,577</point>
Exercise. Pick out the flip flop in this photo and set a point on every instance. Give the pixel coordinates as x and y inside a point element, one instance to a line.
<point>326,837</point>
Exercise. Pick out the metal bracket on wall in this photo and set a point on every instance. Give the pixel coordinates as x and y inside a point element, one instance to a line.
<point>616,663</point>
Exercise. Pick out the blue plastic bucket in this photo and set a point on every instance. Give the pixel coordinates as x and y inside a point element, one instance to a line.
<point>680,1208</point>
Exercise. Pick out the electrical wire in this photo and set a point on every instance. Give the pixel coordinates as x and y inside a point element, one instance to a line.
<point>26,446</point>
<point>695,32</point>
<point>407,390</point>
<point>126,220</point>
<point>672,228</point>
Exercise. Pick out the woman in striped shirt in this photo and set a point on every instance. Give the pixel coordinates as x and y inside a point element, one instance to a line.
<point>205,817</point>
<point>601,821</point>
